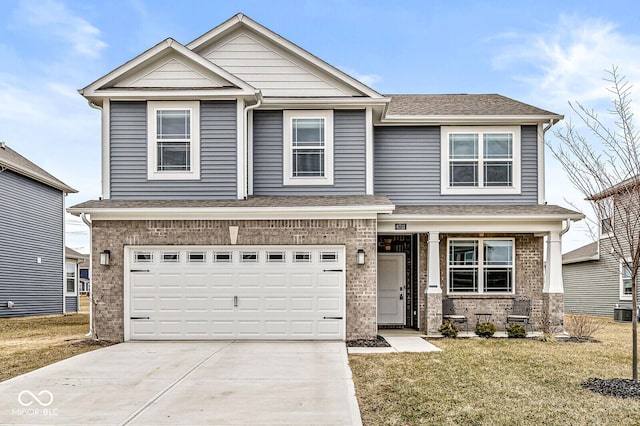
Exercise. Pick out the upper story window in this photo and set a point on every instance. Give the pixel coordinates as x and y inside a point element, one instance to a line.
<point>481,266</point>
<point>173,140</point>
<point>605,212</point>
<point>480,160</point>
<point>625,282</point>
<point>308,148</point>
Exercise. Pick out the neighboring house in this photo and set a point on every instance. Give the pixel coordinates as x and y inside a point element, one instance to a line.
<point>253,191</point>
<point>84,281</point>
<point>596,281</point>
<point>73,260</point>
<point>32,259</point>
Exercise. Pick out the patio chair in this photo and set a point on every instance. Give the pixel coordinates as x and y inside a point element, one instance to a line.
<point>449,314</point>
<point>520,312</point>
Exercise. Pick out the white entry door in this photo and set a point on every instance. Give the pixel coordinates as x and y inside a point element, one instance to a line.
<point>391,288</point>
<point>235,292</point>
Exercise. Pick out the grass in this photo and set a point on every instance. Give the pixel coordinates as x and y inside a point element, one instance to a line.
<point>29,343</point>
<point>497,382</point>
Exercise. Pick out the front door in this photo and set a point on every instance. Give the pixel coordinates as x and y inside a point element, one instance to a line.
<point>391,288</point>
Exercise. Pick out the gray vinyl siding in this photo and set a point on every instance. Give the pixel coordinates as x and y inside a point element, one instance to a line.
<point>407,168</point>
<point>593,287</point>
<point>128,155</point>
<point>71,304</point>
<point>32,227</point>
<point>349,155</point>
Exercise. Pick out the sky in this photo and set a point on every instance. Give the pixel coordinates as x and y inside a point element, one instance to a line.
<point>544,53</point>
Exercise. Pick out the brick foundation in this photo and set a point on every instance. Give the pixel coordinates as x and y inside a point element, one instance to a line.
<point>108,281</point>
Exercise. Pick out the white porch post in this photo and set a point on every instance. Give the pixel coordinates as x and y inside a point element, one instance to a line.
<point>553,274</point>
<point>433,265</point>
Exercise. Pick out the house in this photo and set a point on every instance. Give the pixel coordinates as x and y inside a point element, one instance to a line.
<point>596,280</point>
<point>251,190</point>
<point>32,259</point>
<point>72,262</point>
<point>84,282</point>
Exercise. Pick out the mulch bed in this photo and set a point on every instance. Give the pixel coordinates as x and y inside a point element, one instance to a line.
<point>378,342</point>
<point>619,388</point>
<point>92,342</point>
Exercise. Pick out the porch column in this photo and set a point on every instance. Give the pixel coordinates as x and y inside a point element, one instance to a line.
<point>553,291</point>
<point>433,294</point>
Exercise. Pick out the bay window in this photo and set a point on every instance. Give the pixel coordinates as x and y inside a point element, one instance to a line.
<point>479,265</point>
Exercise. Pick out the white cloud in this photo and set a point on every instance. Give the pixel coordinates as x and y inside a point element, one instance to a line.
<point>368,79</point>
<point>569,59</point>
<point>55,19</point>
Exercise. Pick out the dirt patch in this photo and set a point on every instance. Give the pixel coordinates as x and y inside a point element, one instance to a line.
<point>574,339</point>
<point>378,342</point>
<point>89,343</point>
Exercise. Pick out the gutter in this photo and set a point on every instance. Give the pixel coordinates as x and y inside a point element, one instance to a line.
<point>245,140</point>
<point>87,222</point>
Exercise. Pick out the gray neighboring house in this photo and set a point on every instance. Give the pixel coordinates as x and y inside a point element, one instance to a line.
<point>251,190</point>
<point>32,250</point>
<point>72,285</point>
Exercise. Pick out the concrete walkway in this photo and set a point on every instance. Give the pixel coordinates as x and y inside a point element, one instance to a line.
<point>180,383</point>
<point>401,340</point>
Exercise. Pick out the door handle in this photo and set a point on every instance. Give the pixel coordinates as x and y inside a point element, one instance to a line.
<point>401,296</point>
<point>235,301</point>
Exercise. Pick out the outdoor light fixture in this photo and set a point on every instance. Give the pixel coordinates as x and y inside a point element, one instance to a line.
<point>105,257</point>
<point>361,257</point>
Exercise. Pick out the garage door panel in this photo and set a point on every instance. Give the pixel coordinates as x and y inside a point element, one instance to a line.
<point>244,292</point>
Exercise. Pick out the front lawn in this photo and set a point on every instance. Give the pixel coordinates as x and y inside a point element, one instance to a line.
<point>29,343</point>
<point>497,381</point>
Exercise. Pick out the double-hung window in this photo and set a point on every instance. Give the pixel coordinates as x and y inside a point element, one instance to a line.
<point>480,160</point>
<point>481,265</point>
<point>308,148</point>
<point>173,140</point>
<point>71,281</point>
<point>625,282</point>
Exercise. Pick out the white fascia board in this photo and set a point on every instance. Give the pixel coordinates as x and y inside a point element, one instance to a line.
<point>237,213</point>
<point>241,19</point>
<point>163,95</point>
<point>467,119</point>
<point>332,102</point>
<point>581,259</point>
<point>495,226</point>
<point>480,218</point>
<point>169,44</point>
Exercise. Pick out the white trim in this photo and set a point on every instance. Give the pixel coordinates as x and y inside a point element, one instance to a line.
<point>369,159</point>
<point>64,254</point>
<point>469,119</point>
<point>516,161</point>
<point>417,284</point>
<point>75,279</point>
<point>287,177</point>
<point>433,263</point>
<point>455,224</point>
<point>106,149</point>
<point>480,266</point>
<point>541,161</point>
<point>553,282</point>
<point>250,153</point>
<point>625,297</point>
<point>240,154</point>
<point>194,142</point>
<point>238,213</point>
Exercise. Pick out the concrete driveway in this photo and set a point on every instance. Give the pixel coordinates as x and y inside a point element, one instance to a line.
<point>194,383</point>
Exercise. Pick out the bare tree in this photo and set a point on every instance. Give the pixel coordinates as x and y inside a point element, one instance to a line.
<point>607,172</point>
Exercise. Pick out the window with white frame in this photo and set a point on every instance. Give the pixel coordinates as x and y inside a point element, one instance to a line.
<point>481,265</point>
<point>625,282</point>
<point>480,160</point>
<point>308,147</point>
<point>173,140</point>
<point>605,212</point>
<point>71,279</point>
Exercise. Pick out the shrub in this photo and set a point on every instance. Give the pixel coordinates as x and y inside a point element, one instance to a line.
<point>516,331</point>
<point>582,327</point>
<point>448,329</point>
<point>485,329</point>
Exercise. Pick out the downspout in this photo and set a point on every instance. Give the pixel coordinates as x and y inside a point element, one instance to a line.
<point>83,216</point>
<point>245,140</point>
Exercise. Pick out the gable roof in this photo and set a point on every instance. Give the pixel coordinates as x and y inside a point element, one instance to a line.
<point>70,253</point>
<point>240,20</point>
<point>11,160</point>
<point>169,49</point>
<point>581,254</point>
<point>480,106</point>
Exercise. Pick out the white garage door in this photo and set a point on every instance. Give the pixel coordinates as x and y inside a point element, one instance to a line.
<point>234,292</point>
